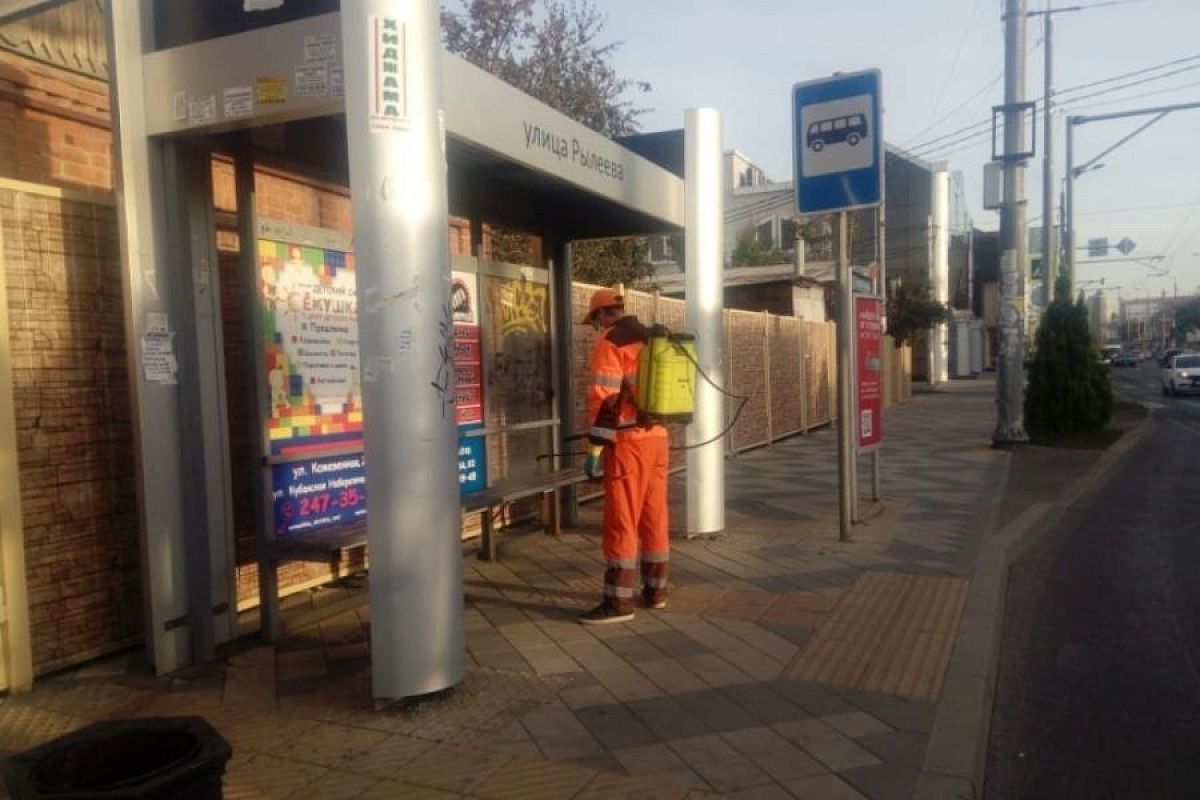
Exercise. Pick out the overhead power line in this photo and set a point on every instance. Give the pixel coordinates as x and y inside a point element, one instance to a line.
<point>978,93</point>
<point>1193,62</point>
<point>1135,73</point>
<point>983,129</point>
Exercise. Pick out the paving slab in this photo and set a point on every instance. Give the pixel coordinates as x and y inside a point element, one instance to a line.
<point>787,664</point>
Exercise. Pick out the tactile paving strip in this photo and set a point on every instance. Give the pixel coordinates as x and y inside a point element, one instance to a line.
<point>891,633</point>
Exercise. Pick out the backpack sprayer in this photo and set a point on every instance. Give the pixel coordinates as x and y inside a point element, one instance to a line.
<point>666,386</point>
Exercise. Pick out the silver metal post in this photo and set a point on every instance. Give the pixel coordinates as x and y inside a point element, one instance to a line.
<point>1069,211</point>
<point>405,327</point>
<point>148,290</point>
<point>1049,260</point>
<point>881,292</point>
<point>705,295</point>
<point>1010,384</point>
<point>845,386</point>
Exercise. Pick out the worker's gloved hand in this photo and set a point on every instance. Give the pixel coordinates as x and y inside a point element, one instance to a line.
<point>593,465</point>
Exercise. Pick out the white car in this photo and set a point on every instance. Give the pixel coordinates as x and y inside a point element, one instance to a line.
<point>1182,374</point>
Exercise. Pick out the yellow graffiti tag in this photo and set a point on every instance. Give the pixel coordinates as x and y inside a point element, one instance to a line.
<point>523,308</point>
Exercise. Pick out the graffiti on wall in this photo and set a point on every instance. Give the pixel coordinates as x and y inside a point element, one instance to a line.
<point>518,375</point>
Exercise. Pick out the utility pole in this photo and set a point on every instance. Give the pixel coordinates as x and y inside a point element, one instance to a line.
<point>1010,386</point>
<point>1049,267</point>
<point>1156,113</point>
<point>1049,251</point>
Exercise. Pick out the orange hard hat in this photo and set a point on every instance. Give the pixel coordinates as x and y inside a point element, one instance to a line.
<point>603,298</point>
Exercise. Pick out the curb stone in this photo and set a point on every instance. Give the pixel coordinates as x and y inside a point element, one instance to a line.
<point>957,753</point>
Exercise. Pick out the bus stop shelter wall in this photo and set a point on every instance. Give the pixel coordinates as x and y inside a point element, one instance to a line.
<point>511,160</point>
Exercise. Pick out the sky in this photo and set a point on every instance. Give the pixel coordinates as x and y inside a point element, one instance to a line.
<point>941,62</point>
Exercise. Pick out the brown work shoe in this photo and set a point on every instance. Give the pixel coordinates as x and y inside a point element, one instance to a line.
<point>605,613</point>
<point>655,600</point>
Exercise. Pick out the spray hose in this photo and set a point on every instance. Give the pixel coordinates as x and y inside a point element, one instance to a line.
<point>742,400</point>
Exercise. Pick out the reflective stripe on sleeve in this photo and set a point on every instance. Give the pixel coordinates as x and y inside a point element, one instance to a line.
<point>607,434</point>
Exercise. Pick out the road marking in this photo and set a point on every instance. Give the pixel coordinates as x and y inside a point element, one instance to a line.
<point>1190,427</point>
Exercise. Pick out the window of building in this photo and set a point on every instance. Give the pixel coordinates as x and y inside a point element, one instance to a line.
<point>764,234</point>
<point>788,230</point>
<point>660,249</point>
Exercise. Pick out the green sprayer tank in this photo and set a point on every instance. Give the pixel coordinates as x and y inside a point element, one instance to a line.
<point>666,385</point>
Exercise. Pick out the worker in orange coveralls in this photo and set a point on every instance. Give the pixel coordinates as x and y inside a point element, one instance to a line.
<point>633,457</point>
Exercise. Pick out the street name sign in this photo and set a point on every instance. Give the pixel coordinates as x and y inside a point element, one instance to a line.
<point>837,141</point>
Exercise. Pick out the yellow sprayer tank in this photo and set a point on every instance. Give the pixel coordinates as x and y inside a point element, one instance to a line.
<point>666,384</point>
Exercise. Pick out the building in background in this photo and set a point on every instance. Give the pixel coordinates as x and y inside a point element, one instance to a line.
<point>927,241</point>
<point>1103,321</point>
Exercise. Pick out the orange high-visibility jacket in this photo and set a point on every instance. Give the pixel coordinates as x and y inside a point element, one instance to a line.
<point>611,410</point>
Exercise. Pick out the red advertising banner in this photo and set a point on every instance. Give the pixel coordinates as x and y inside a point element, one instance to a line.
<point>868,348</point>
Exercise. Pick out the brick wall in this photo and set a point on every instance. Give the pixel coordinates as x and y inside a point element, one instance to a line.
<point>55,125</point>
<point>63,280</point>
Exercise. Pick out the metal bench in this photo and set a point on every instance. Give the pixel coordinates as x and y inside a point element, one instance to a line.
<point>320,545</point>
<point>495,497</point>
<point>327,544</point>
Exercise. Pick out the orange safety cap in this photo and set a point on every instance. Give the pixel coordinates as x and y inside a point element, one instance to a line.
<point>602,298</point>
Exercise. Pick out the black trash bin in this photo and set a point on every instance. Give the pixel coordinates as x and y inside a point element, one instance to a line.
<point>182,758</point>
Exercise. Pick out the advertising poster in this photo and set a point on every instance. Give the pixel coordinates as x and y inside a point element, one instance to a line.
<point>472,460</point>
<point>468,373</point>
<point>311,348</point>
<point>310,364</point>
<point>313,493</point>
<point>869,363</point>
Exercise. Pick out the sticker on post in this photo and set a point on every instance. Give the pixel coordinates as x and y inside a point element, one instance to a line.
<point>179,106</point>
<point>389,75</point>
<point>202,110</point>
<point>312,80</point>
<point>337,80</point>
<point>320,48</point>
<point>238,101</point>
<point>158,358</point>
<point>270,90</point>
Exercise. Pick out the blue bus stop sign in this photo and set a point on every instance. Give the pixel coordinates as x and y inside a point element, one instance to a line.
<point>837,136</point>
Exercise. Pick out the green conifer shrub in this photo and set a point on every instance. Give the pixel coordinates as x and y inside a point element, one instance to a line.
<point>1068,389</point>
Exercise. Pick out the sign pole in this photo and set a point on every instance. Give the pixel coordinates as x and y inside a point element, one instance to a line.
<point>881,293</point>
<point>845,373</point>
<point>837,141</point>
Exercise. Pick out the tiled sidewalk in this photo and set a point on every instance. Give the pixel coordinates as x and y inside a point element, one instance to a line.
<point>787,664</point>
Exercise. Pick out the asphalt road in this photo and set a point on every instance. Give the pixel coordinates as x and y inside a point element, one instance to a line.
<point>1098,694</point>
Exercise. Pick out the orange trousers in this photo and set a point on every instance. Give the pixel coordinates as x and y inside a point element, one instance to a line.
<point>635,519</point>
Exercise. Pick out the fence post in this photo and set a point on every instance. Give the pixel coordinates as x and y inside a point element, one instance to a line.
<point>802,339</point>
<point>766,315</point>
<point>733,388</point>
<point>832,365</point>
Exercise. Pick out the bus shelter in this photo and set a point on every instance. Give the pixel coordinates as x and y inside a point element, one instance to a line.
<point>376,340</point>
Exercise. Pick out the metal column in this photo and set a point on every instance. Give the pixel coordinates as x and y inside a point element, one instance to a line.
<point>1010,382</point>
<point>564,390</point>
<point>203,426</point>
<point>940,269</point>
<point>705,252</point>
<point>1049,251</point>
<point>148,289</point>
<point>397,156</point>
<point>847,476</point>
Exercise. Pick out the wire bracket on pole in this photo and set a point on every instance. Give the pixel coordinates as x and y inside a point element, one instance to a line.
<point>998,112</point>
